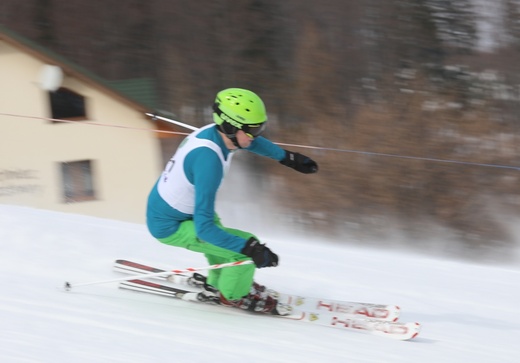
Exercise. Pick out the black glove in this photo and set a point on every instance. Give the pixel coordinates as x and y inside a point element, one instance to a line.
<point>261,255</point>
<point>299,162</point>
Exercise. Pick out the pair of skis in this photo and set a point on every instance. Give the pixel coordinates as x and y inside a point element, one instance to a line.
<point>375,319</point>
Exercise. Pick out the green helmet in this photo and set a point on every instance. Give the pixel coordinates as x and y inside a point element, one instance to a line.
<point>239,109</point>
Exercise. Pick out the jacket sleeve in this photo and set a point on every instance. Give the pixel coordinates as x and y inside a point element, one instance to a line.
<point>265,147</point>
<point>204,170</point>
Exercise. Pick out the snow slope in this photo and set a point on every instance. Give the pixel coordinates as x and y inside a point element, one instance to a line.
<point>470,313</point>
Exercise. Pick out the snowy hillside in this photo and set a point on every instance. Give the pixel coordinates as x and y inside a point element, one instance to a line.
<point>470,313</point>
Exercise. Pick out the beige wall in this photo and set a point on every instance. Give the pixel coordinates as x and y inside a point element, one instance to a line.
<point>126,162</point>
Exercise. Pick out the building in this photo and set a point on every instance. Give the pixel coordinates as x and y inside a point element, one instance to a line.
<point>70,141</point>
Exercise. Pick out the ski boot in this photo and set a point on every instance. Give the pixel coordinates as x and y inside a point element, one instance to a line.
<point>259,300</point>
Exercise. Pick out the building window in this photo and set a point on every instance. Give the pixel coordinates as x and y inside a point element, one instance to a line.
<point>67,105</point>
<point>78,185</point>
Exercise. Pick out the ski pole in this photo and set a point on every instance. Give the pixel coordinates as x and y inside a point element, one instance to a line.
<point>68,286</point>
<point>178,123</point>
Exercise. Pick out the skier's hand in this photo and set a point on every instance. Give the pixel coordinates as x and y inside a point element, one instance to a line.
<point>261,255</point>
<point>299,162</point>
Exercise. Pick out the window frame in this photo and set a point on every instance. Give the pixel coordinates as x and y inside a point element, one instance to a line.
<point>78,181</point>
<point>64,107</point>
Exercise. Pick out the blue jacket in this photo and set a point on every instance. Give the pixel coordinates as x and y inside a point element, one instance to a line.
<point>204,170</point>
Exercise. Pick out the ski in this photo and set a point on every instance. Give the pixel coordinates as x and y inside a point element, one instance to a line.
<point>393,330</point>
<point>368,310</point>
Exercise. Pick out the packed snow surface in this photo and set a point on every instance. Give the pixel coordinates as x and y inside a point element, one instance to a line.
<point>469,312</point>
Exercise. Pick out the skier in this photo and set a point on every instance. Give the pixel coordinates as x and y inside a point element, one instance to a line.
<point>181,205</point>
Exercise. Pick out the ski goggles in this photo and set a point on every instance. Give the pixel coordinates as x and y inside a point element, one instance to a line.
<point>251,130</point>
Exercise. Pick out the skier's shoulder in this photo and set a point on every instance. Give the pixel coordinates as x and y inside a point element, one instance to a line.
<point>205,154</point>
<point>208,140</point>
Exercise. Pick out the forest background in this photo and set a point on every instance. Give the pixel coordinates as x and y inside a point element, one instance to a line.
<point>413,105</point>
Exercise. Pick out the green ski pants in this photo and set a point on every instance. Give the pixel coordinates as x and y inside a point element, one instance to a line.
<point>232,282</point>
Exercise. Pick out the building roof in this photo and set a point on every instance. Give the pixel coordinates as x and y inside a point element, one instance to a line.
<point>140,89</point>
<point>139,93</point>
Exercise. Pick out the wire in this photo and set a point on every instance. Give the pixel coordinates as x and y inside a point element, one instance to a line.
<point>407,157</point>
<point>371,153</point>
<point>89,123</point>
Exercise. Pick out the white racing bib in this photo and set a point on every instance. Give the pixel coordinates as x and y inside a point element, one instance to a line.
<point>174,187</point>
